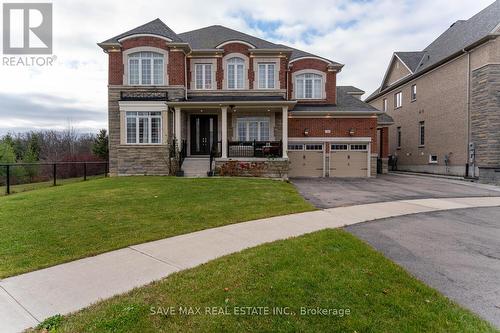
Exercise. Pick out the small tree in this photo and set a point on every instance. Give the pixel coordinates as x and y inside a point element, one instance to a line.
<point>100,146</point>
<point>31,156</point>
<point>7,155</point>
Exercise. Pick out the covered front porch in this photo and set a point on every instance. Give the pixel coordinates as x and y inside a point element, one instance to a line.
<point>216,134</point>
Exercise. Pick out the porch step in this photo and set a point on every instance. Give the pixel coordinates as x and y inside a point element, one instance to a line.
<point>196,166</point>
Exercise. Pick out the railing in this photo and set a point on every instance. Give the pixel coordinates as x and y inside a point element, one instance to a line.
<point>44,172</point>
<point>266,149</point>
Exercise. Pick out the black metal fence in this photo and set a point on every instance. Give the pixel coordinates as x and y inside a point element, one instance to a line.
<point>50,173</point>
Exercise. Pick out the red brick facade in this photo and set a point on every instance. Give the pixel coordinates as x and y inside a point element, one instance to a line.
<point>176,72</point>
<point>330,84</point>
<point>338,127</point>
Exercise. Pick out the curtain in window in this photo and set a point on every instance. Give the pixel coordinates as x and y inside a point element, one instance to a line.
<point>131,130</point>
<point>266,76</point>
<point>270,76</point>
<point>208,76</point>
<point>253,128</point>
<point>235,73</point>
<point>242,131</point>
<point>309,86</point>
<point>146,68</point>
<point>143,127</point>
<point>134,71</point>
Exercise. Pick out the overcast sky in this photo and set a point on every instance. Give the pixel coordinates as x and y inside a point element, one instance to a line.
<point>361,34</point>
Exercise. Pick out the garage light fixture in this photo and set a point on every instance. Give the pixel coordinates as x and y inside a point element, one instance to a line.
<point>351,131</point>
<point>306,131</point>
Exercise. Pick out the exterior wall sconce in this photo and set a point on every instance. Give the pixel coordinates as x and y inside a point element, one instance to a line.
<point>351,131</point>
<point>306,131</point>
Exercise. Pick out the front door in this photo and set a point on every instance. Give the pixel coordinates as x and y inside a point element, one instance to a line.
<point>203,133</point>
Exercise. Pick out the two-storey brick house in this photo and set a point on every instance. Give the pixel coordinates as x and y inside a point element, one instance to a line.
<point>255,107</point>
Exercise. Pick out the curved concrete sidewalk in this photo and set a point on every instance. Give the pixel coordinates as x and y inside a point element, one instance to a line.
<point>29,298</point>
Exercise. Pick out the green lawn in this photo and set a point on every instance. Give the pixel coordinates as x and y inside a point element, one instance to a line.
<point>49,226</point>
<point>37,186</point>
<point>330,269</point>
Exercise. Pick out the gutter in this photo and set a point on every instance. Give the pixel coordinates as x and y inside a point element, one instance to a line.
<point>439,63</point>
<point>228,103</point>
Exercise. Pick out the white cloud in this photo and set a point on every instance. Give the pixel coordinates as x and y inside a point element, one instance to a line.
<point>360,34</point>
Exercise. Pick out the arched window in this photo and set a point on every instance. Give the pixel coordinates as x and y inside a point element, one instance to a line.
<point>308,86</point>
<point>235,73</point>
<point>145,68</point>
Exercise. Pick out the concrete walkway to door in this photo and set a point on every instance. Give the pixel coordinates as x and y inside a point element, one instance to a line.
<point>29,298</point>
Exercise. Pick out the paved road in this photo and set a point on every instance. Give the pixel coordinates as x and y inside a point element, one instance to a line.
<point>456,252</point>
<point>337,192</point>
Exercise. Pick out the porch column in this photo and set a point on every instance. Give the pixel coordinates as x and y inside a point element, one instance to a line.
<point>178,127</point>
<point>284,136</point>
<point>224,132</point>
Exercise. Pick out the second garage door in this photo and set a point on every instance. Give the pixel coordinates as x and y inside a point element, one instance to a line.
<point>306,160</point>
<point>348,160</point>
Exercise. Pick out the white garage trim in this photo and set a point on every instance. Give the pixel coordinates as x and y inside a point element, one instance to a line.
<point>332,139</point>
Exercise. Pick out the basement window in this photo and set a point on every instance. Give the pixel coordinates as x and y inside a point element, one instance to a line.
<point>433,159</point>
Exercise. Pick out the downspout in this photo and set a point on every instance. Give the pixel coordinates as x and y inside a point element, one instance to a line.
<point>469,165</point>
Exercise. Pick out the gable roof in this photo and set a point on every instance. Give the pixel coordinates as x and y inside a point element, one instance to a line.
<point>155,27</point>
<point>459,36</point>
<point>410,59</point>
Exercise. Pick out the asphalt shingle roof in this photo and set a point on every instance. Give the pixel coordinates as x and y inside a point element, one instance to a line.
<point>411,59</point>
<point>345,102</point>
<point>214,35</point>
<point>457,37</point>
<point>155,27</point>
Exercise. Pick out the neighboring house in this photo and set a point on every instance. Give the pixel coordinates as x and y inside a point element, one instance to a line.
<point>256,107</point>
<point>445,101</point>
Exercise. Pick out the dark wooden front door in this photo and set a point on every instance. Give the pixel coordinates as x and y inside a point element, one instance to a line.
<point>203,133</point>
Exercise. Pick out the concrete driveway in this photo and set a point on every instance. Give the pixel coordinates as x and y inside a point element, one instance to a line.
<point>457,252</point>
<point>337,192</point>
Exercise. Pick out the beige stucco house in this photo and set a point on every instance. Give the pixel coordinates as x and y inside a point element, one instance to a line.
<point>445,101</point>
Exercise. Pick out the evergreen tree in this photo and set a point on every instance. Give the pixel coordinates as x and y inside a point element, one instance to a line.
<point>100,146</point>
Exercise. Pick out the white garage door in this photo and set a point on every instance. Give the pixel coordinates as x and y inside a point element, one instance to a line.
<point>348,160</point>
<point>306,160</point>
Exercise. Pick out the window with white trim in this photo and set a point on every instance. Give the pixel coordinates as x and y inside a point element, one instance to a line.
<point>414,92</point>
<point>266,75</point>
<point>359,147</point>
<point>308,86</point>
<point>421,134</point>
<point>143,127</point>
<point>314,147</point>
<point>384,105</point>
<point>433,159</point>
<point>339,147</point>
<point>398,100</point>
<point>145,68</point>
<point>203,76</point>
<point>235,73</point>
<point>295,146</point>
<point>252,128</point>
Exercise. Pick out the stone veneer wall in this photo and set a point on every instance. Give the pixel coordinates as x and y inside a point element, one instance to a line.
<point>485,121</point>
<point>269,168</point>
<point>135,159</point>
